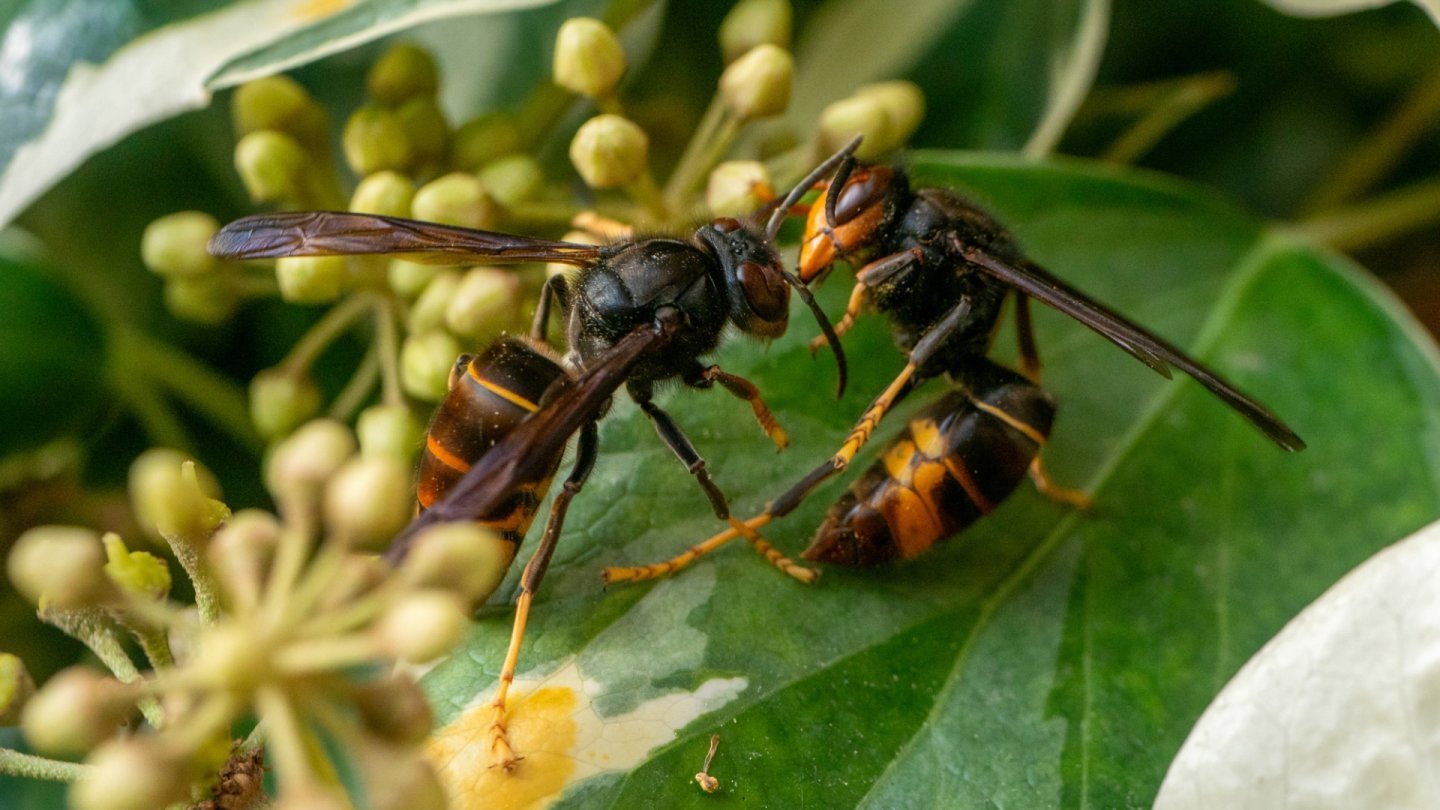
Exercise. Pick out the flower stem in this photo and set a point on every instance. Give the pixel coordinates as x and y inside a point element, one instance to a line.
<point>358,388</point>
<point>387,338</point>
<point>330,326</point>
<point>1384,217</point>
<point>29,766</point>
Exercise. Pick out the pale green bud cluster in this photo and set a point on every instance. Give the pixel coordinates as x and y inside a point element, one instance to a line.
<point>610,152</point>
<point>752,23</point>
<point>588,58</point>
<point>885,114</point>
<point>757,85</point>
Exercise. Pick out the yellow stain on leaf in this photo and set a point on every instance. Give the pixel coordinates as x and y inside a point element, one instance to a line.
<point>314,10</point>
<point>561,737</point>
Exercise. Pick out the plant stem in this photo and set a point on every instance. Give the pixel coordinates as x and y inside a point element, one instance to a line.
<point>1384,217</point>
<point>1369,160</point>
<point>1073,78</point>
<point>358,388</point>
<point>215,397</point>
<point>387,339</point>
<point>691,165</point>
<point>96,630</point>
<point>189,553</point>
<point>330,326</point>
<point>142,398</point>
<point>29,766</point>
<point>1179,101</point>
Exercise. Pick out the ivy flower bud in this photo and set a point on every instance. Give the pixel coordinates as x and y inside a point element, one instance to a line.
<point>735,187</point>
<point>394,708</point>
<point>310,279</point>
<point>426,128</point>
<point>486,303</point>
<point>842,120</point>
<point>374,140</point>
<point>206,300</point>
<point>61,565</point>
<point>241,552</point>
<point>757,85</point>
<point>369,501</point>
<point>174,245</point>
<point>232,656</point>
<point>588,58</point>
<point>131,774</point>
<point>455,199</point>
<point>462,557</point>
<point>137,572</point>
<point>512,179</point>
<point>272,166</point>
<point>610,152</point>
<point>409,279</point>
<point>428,312</point>
<point>402,73</point>
<point>903,104</point>
<point>755,22</point>
<point>309,457</point>
<point>422,626</point>
<point>387,193</point>
<point>397,778</point>
<point>16,688</point>
<point>389,430</point>
<point>172,496</point>
<point>280,400</point>
<point>74,711</point>
<point>483,139</point>
<point>279,103</point>
<point>425,362</point>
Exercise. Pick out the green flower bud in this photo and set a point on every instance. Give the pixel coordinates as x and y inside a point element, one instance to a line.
<point>410,279</point>
<point>425,361</point>
<point>272,166</point>
<point>59,566</point>
<point>842,120</point>
<point>307,459</point>
<point>394,709</point>
<point>757,85</point>
<point>904,107</point>
<point>137,773</point>
<point>486,303</point>
<point>610,152</point>
<point>386,193</point>
<point>231,656</point>
<point>280,400</point>
<point>483,139</point>
<point>172,496</point>
<point>428,312</point>
<point>455,199</point>
<point>397,778</point>
<point>422,625</point>
<point>369,500</point>
<point>404,72</point>
<point>463,557</point>
<point>426,129</point>
<point>74,711</point>
<point>389,430</point>
<point>513,179</point>
<point>736,188</point>
<point>138,572</point>
<point>755,22</point>
<point>279,103</point>
<point>311,279</point>
<point>16,688</point>
<point>241,552</point>
<point>206,300</point>
<point>374,140</point>
<point>174,245</point>
<point>588,58</point>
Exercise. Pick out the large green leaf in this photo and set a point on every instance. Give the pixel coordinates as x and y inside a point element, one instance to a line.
<point>1046,657</point>
<point>1325,8</point>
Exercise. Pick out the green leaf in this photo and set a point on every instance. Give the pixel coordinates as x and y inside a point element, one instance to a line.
<point>109,69</point>
<point>52,360</point>
<point>1326,8</point>
<point>1046,657</point>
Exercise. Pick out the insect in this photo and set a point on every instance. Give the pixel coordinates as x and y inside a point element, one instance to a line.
<point>940,269</point>
<point>639,312</point>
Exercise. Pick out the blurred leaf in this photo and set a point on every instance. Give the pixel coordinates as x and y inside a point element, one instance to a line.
<point>51,359</point>
<point>1047,657</point>
<point>353,24</point>
<point>1350,680</point>
<point>1325,8</point>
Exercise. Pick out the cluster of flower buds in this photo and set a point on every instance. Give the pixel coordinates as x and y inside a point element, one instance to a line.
<point>297,627</point>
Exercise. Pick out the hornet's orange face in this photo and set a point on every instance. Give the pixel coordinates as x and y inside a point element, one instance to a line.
<point>859,213</point>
